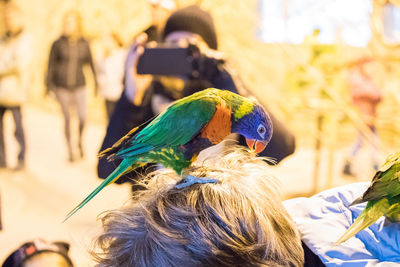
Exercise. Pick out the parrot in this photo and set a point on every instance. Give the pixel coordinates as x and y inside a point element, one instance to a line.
<point>383,196</point>
<point>189,125</point>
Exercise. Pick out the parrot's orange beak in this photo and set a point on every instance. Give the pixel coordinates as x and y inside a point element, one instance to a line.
<point>256,146</point>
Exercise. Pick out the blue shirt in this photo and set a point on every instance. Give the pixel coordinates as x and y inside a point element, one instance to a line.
<point>323,218</point>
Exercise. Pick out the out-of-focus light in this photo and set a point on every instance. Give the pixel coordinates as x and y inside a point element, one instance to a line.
<point>293,21</point>
<point>391,23</point>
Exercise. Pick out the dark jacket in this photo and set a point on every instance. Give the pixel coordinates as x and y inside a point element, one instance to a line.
<point>66,63</point>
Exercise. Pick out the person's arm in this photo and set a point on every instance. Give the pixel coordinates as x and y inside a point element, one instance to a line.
<point>16,58</point>
<point>224,81</point>
<point>129,81</point>
<point>51,67</point>
<point>89,60</point>
<point>135,85</point>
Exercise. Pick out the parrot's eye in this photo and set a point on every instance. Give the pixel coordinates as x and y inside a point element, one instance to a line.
<point>261,130</point>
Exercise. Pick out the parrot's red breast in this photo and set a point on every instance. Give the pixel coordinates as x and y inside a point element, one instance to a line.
<point>219,126</point>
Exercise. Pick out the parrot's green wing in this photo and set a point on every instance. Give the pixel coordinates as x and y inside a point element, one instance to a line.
<point>390,207</point>
<point>393,214</point>
<point>110,152</point>
<point>383,196</point>
<point>390,160</point>
<point>386,182</point>
<point>176,126</point>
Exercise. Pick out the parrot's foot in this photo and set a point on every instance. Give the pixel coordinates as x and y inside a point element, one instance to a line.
<point>191,180</point>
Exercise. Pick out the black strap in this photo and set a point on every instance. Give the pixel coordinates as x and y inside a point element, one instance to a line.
<point>310,259</point>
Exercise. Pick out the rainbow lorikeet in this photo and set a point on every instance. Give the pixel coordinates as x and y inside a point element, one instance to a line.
<point>383,196</point>
<point>176,137</point>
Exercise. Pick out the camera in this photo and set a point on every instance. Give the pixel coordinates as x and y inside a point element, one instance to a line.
<point>170,60</point>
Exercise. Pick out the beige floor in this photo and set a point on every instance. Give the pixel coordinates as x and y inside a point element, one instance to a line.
<point>35,202</point>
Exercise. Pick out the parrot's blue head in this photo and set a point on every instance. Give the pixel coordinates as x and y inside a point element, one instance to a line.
<point>256,127</point>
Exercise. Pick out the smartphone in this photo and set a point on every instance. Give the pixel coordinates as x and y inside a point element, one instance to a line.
<point>174,61</point>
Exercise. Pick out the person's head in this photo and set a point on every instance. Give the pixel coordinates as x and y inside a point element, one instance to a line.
<point>160,9</point>
<point>40,253</point>
<point>191,23</point>
<point>72,24</point>
<point>238,221</point>
<point>13,19</point>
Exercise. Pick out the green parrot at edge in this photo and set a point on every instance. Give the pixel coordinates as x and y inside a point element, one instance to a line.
<point>383,196</point>
<point>175,137</point>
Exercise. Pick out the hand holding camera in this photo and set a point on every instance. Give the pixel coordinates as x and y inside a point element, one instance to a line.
<point>136,84</point>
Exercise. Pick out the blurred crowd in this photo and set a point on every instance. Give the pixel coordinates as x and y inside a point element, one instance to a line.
<point>134,91</point>
<point>130,99</point>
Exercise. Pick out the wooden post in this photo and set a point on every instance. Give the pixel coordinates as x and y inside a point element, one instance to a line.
<point>317,147</point>
<point>332,138</point>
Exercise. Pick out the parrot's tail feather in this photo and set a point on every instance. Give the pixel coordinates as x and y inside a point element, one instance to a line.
<point>120,143</point>
<point>123,168</point>
<point>362,222</point>
<point>104,152</point>
<point>123,142</point>
<point>132,151</point>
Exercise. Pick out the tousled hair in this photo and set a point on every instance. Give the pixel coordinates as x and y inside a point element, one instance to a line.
<point>239,221</point>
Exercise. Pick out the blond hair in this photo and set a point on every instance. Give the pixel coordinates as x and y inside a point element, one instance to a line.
<point>78,20</point>
<point>238,221</point>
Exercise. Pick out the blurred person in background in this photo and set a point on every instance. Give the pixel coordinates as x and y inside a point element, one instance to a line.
<point>148,95</point>
<point>68,55</point>
<point>365,95</point>
<point>40,253</point>
<point>110,71</point>
<point>15,55</point>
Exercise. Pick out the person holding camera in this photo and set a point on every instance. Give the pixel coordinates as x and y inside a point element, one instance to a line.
<point>186,62</point>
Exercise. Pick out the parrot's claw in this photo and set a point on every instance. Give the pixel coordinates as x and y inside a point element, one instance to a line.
<point>191,180</point>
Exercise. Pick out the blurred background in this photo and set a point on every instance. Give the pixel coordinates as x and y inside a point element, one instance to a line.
<point>295,56</point>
